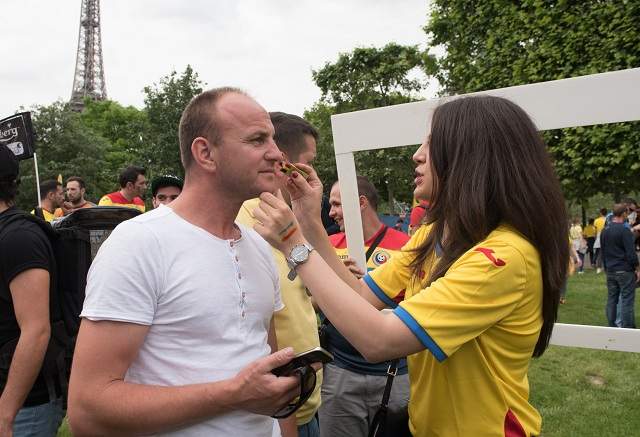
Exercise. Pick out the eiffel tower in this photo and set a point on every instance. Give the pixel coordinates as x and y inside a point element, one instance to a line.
<point>88,80</point>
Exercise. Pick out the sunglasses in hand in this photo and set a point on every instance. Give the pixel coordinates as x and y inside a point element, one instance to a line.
<point>300,366</point>
<point>307,377</point>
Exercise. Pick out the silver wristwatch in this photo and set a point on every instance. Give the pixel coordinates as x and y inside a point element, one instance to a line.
<point>299,254</point>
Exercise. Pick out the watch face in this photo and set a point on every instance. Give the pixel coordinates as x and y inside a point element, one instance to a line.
<point>299,254</point>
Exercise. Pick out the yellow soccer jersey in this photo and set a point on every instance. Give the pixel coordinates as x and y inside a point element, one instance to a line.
<point>48,216</point>
<point>117,199</point>
<point>390,244</point>
<point>599,224</point>
<point>479,324</point>
<point>296,324</point>
<point>589,231</point>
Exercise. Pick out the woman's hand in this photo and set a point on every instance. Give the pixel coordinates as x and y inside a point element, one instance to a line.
<point>276,222</point>
<point>306,195</point>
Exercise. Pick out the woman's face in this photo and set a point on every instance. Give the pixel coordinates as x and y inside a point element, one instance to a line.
<point>423,174</point>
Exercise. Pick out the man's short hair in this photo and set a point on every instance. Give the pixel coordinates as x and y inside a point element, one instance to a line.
<point>290,131</point>
<point>130,174</point>
<point>50,186</point>
<point>603,211</point>
<point>619,209</point>
<point>199,120</point>
<point>366,189</point>
<point>79,180</point>
<point>165,181</point>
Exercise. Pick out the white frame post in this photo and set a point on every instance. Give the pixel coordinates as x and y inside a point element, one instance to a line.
<point>611,97</point>
<point>35,164</point>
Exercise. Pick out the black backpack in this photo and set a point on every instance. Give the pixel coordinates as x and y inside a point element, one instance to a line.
<point>75,240</point>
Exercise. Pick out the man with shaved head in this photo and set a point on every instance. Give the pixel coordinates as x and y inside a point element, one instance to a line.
<point>177,337</point>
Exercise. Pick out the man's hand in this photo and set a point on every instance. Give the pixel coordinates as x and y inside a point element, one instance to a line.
<point>261,391</point>
<point>350,263</point>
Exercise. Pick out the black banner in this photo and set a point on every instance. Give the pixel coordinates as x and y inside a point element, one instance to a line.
<point>16,132</point>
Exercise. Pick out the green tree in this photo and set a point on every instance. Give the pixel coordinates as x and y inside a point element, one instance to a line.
<point>65,146</point>
<point>164,103</point>
<point>368,78</point>
<point>125,128</point>
<point>497,43</point>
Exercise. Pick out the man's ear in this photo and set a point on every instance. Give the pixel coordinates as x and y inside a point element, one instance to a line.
<point>204,153</point>
<point>364,202</point>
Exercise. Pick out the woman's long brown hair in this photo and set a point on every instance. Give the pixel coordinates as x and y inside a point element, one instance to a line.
<point>491,166</point>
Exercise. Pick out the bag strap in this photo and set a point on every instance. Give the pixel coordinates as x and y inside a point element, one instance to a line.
<point>326,322</point>
<point>376,242</point>
<point>380,418</point>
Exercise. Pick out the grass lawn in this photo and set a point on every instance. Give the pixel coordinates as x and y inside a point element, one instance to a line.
<point>581,392</point>
<point>584,392</point>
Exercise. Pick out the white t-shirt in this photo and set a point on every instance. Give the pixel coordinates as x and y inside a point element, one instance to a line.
<point>208,303</point>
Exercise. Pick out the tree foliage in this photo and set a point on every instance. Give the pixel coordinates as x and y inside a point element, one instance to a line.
<point>497,43</point>
<point>125,128</point>
<point>65,146</point>
<point>369,78</point>
<point>164,103</point>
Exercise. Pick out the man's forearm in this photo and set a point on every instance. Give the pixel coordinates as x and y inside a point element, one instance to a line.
<point>25,366</point>
<point>123,408</point>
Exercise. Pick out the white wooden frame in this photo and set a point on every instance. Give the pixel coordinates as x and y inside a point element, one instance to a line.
<point>580,101</point>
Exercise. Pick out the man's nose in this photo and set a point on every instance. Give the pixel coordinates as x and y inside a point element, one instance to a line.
<point>273,153</point>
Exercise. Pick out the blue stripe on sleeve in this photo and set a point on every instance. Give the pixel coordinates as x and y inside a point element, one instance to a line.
<point>378,291</point>
<point>419,332</point>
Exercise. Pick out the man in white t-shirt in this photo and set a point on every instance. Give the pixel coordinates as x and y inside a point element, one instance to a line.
<point>177,332</point>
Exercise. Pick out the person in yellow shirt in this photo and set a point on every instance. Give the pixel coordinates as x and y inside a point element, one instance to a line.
<point>51,197</point>
<point>296,324</point>
<point>482,277</point>
<point>589,233</point>
<point>133,186</point>
<point>599,224</point>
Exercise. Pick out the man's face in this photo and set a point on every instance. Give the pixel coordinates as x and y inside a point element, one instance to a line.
<point>140,186</point>
<point>246,156</point>
<point>57,198</point>
<point>74,193</point>
<point>307,156</point>
<point>336,206</point>
<point>165,196</point>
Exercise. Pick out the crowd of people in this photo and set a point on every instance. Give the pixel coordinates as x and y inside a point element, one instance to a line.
<point>189,307</point>
<point>611,244</point>
<point>57,201</point>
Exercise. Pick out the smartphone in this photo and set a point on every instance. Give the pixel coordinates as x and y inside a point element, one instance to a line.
<point>316,355</point>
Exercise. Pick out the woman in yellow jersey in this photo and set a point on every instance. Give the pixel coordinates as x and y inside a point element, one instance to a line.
<point>482,277</point>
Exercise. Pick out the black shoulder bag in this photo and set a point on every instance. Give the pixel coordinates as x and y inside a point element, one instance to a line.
<point>396,424</point>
